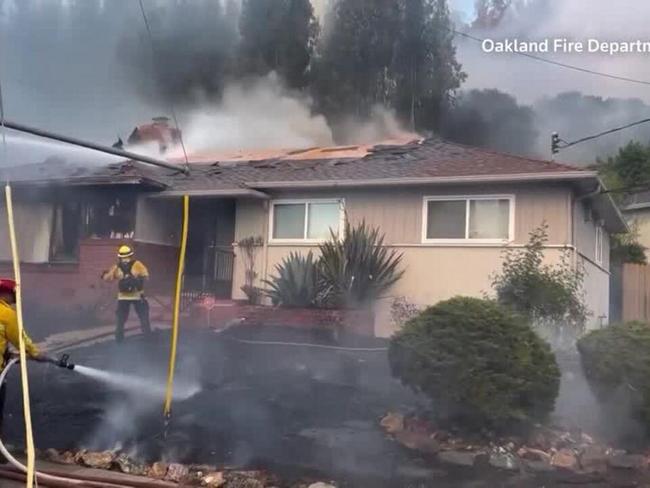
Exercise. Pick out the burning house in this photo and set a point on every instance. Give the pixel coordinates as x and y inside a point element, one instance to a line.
<point>450,210</point>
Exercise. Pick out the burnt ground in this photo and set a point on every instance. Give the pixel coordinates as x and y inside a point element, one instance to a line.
<point>297,411</point>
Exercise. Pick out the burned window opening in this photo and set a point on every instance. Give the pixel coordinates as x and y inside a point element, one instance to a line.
<point>66,232</point>
<point>99,217</point>
<point>109,217</point>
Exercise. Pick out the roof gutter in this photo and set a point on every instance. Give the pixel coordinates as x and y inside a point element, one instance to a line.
<point>376,182</point>
<point>224,193</point>
<point>618,224</point>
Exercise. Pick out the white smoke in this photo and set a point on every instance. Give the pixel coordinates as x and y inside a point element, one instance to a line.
<point>257,114</point>
<point>261,113</point>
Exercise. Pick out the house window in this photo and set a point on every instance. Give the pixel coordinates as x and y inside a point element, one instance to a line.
<point>599,244</point>
<point>305,220</point>
<point>109,217</point>
<point>474,218</point>
<point>66,231</point>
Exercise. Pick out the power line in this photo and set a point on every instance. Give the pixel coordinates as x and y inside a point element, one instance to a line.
<point>559,64</point>
<point>610,131</point>
<point>171,103</point>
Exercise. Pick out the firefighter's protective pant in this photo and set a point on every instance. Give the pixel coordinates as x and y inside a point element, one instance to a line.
<point>123,309</point>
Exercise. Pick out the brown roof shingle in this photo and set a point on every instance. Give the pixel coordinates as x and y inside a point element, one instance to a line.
<point>432,158</point>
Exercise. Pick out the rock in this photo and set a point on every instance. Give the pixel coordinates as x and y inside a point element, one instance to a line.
<point>66,457</point>
<point>214,479</point>
<point>586,439</point>
<point>531,454</point>
<point>320,484</point>
<point>504,461</point>
<point>594,459</point>
<point>244,479</point>
<point>538,466</point>
<point>128,466</point>
<point>418,441</point>
<point>565,458</point>
<point>176,472</point>
<point>393,422</point>
<point>158,471</point>
<point>78,456</point>
<point>459,458</point>
<point>627,461</point>
<point>98,460</point>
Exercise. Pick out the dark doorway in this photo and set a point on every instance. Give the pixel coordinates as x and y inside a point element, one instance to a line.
<point>209,259</point>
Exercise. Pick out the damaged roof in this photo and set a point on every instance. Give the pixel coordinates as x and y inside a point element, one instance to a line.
<point>430,161</point>
<point>416,162</point>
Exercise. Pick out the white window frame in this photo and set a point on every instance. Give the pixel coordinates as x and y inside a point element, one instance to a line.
<point>468,199</point>
<point>600,244</point>
<point>305,202</point>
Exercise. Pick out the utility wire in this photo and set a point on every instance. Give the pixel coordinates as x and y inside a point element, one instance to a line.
<point>610,131</point>
<point>171,103</point>
<point>558,63</point>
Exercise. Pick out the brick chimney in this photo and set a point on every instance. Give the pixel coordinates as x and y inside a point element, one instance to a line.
<point>159,131</point>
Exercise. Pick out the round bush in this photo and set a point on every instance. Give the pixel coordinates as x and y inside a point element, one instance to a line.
<point>480,364</point>
<point>616,363</point>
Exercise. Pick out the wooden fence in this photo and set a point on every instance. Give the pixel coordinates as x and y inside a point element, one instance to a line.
<point>635,292</point>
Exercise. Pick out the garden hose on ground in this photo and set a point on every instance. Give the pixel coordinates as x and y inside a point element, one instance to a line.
<point>12,460</point>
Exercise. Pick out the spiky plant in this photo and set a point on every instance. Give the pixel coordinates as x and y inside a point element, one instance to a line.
<point>358,268</point>
<point>296,283</point>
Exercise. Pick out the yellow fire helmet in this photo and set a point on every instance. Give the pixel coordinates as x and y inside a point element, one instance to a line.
<point>125,252</point>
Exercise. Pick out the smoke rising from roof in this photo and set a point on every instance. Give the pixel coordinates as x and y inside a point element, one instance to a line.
<point>256,114</point>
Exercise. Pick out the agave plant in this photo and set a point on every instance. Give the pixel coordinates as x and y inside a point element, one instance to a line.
<point>358,268</point>
<point>297,283</point>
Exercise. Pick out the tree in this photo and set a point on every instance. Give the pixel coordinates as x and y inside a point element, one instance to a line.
<point>278,35</point>
<point>356,56</point>
<point>425,68</point>
<point>398,53</point>
<point>629,167</point>
<point>492,119</point>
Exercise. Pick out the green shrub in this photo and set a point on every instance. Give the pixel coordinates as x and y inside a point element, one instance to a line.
<point>543,293</point>
<point>297,282</point>
<point>358,268</point>
<point>617,360</point>
<point>480,364</point>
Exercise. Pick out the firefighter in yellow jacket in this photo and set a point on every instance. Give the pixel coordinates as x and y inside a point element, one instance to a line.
<point>130,275</point>
<point>9,332</point>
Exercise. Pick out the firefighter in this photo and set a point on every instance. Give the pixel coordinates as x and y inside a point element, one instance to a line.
<point>9,333</point>
<point>131,275</point>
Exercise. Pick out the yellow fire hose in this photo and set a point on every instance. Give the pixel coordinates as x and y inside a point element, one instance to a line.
<point>177,307</point>
<point>29,436</point>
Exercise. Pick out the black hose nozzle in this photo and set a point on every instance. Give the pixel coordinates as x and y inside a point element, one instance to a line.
<point>62,362</point>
